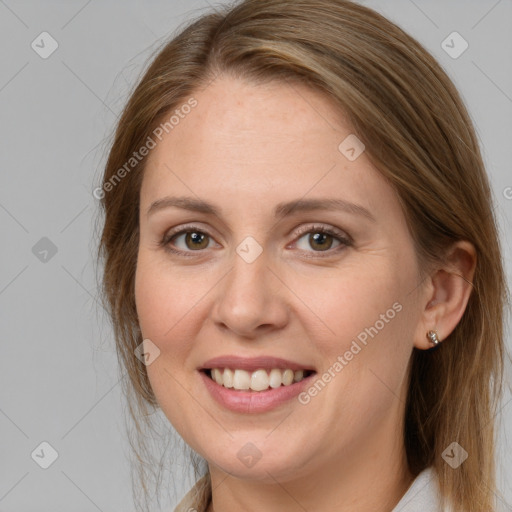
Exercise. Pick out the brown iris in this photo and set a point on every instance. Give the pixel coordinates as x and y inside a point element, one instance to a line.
<point>197,239</point>
<point>319,238</point>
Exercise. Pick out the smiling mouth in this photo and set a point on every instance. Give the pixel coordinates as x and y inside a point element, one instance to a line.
<point>258,380</point>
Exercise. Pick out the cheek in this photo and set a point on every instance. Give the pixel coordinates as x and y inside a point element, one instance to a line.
<point>167,316</point>
<point>165,300</point>
<point>364,322</point>
<point>168,312</point>
<point>348,301</point>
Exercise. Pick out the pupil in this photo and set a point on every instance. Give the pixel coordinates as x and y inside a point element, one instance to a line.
<point>196,238</point>
<point>319,238</point>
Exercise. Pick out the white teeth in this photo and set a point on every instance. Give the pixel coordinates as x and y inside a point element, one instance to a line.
<point>241,379</point>
<point>227,378</point>
<point>275,378</point>
<point>217,376</point>
<point>259,380</point>
<point>287,377</point>
<point>298,375</point>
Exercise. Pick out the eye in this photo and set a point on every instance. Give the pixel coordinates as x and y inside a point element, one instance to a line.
<point>192,240</point>
<point>322,239</point>
<point>189,240</point>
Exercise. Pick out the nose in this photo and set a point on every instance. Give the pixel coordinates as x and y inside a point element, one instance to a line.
<point>251,299</point>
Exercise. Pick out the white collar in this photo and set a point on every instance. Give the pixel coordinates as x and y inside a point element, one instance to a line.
<point>423,494</point>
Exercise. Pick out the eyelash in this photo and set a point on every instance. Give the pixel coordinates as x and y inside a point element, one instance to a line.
<point>345,240</point>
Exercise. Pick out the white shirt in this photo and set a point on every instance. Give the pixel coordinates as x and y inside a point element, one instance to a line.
<point>422,496</point>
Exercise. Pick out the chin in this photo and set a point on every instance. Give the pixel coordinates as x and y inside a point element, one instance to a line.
<point>246,460</point>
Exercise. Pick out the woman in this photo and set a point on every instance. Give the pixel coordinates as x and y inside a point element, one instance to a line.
<point>302,265</point>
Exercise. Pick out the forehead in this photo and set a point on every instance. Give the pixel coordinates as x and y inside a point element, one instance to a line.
<point>259,143</point>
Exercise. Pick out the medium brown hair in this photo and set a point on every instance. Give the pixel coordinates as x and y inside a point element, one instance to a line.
<point>417,132</point>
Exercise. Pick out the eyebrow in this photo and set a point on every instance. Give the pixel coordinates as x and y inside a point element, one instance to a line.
<point>281,209</point>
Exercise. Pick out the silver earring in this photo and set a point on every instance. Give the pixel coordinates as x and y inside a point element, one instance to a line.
<point>433,337</point>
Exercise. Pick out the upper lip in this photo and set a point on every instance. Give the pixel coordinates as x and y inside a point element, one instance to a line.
<point>251,364</point>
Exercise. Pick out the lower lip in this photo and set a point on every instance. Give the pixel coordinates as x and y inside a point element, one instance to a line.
<point>253,401</point>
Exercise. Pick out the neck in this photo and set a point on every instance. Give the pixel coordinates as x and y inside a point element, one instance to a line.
<point>371,476</point>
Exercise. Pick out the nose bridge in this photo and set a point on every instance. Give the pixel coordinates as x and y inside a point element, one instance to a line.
<point>249,281</point>
<point>250,297</point>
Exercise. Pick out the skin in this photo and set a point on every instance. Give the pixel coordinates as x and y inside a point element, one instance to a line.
<point>246,148</point>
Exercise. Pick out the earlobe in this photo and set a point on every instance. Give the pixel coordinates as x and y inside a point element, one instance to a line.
<point>448,294</point>
<point>433,337</point>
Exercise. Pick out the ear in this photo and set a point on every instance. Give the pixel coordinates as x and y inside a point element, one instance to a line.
<point>447,293</point>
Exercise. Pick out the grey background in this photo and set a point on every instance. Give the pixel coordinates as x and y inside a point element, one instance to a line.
<point>60,382</point>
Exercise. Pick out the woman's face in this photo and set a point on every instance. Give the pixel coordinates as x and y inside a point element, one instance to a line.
<point>258,285</point>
